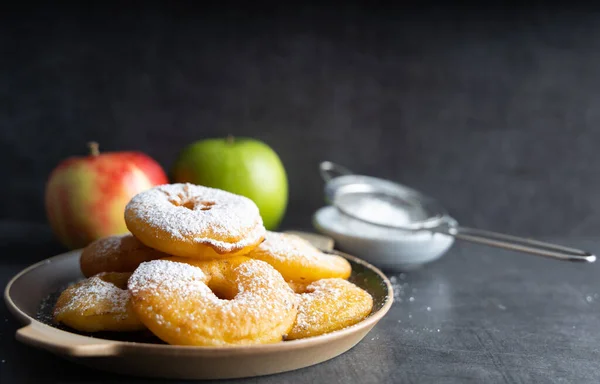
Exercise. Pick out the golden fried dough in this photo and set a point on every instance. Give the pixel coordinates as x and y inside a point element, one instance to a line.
<point>195,221</point>
<point>176,301</point>
<point>328,305</point>
<point>98,303</point>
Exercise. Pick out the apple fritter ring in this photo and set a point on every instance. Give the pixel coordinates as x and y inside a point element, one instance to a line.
<point>118,253</point>
<point>99,303</point>
<point>240,302</point>
<point>298,260</point>
<point>195,221</point>
<point>329,305</point>
<point>216,268</point>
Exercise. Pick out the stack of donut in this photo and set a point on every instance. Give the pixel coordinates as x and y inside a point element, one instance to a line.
<point>199,268</point>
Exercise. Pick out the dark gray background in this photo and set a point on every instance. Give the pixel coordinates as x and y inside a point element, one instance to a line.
<point>493,111</point>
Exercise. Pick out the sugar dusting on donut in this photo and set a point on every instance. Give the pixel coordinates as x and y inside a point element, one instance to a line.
<point>116,253</point>
<point>166,276</point>
<point>308,314</point>
<point>86,295</point>
<point>261,294</point>
<point>186,210</point>
<point>298,260</point>
<point>109,245</point>
<point>262,283</point>
<point>169,277</point>
<point>283,246</point>
<point>112,245</point>
<point>328,305</point>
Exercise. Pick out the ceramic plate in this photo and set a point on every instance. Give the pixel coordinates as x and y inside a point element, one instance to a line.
<point>30,295</point>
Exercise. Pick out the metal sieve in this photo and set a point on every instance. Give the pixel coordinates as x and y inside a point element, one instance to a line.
<point>345,190</point>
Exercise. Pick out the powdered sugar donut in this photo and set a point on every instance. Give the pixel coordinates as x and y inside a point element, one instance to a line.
<point>329,305</point>
<point>195,221</point>
<point>176,301</point>
<point>118,253</point>
<point>299,261</point>
<point>99,303</point>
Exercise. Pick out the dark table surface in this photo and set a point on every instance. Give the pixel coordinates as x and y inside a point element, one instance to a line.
<point>477,315</point>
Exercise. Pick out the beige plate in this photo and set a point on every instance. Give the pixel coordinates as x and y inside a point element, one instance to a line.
<point>147,358</point>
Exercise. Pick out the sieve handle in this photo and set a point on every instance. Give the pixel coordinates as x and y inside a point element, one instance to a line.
<point>331,170</point>
<point>521,244</point>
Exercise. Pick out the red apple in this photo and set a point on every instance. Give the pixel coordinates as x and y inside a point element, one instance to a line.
<point>85,197</point>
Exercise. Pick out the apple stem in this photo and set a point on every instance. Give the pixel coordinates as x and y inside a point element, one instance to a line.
<point>94,148</point>
<point>230,139</point>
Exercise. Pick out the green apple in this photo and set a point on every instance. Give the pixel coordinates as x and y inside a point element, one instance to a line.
<point>244,166</point>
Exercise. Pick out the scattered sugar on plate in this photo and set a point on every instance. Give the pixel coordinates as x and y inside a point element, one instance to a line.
<point>398,287</point>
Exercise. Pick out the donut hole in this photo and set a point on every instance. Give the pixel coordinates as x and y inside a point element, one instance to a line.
<point>223,291</point>
<point>189,204</point>
<point>222,281</point>
<point>221,276</point>
<point>193,204</point>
